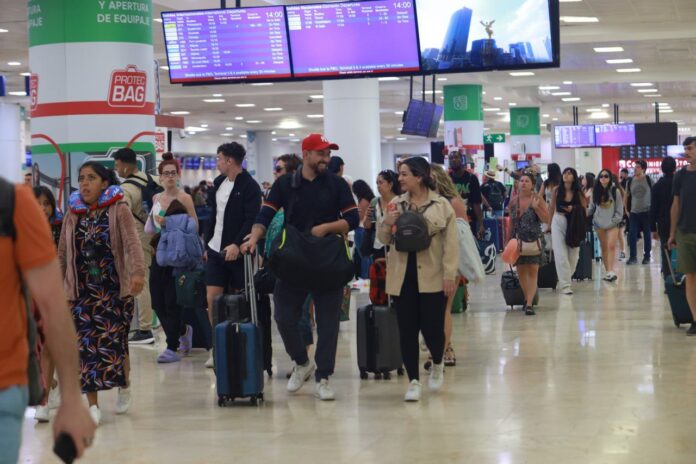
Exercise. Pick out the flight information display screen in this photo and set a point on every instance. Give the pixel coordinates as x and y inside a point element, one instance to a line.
<point>371,37</point>
<point>615,135</point>
<point>227,45</point>
<point>574,136</point>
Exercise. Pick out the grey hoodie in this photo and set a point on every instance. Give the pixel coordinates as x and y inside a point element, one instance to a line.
<point>610,214</point>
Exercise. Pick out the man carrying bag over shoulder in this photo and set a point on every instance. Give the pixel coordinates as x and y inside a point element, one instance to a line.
<point>309,256</point>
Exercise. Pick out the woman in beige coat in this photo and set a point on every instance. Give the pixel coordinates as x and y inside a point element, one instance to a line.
<point>422,281</point>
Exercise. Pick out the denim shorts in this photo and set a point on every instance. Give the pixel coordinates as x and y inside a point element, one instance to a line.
<point>13,402</point>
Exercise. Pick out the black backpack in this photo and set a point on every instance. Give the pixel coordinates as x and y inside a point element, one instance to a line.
<point>495,198</point>
<point>412,232</point>
<point>147,191</point>
<point>37,389</point>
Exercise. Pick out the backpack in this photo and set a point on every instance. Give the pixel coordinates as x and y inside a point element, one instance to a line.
<point>412,232</point>
<point>147,191</point>
<point>495,198</point>
<point>36,387</point>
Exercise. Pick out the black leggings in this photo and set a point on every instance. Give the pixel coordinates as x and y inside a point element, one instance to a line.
<point>424,312</point>
<point>163,293</point>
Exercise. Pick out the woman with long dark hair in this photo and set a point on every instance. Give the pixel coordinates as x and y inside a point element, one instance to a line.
<point>567,207</point>
<point>607,210</point>
<point>364,195</point>
<point>388,188</point>
<point>102,258</point>
<point>554,179</point>
<point>421,281</point>
<point>588,183</point>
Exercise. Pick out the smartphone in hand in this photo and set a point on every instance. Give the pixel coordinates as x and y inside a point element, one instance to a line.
<point>65,449</point>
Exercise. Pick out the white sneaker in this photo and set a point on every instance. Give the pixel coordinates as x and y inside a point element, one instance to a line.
<point>567,291</point>
<point>54,398</point>
<point>123,401</point>
<point>414,391</point>
<point>300,374</point>
<point>210,363</point>
<point>42,414</point>
<point>95,413</point>
<point>324,392</point>
<point>437,376</point>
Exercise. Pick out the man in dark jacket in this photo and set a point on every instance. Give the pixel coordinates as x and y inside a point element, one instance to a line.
<point>235,200</point>
<point>660,207</point>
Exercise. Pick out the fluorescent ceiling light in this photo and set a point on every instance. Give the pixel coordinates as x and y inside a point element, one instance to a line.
<point>663,104</point>
<point>245,105</point>
<point>652,95</point>
<point>628,70</point>
<point>647,90</point>
<point>25,74</point>
<point>579,19</point>
<point>554,119</point>
<point>195,129</point>
<point>14,63</point>
<point>497,98</point>
<point>545,115</point>
<point>442,79</point>
<point>608,49</point>
<point>204,125</point>
<point>666,110</point>
<point>521,74</point>
<point>243,136</point>
<point>225,135</point>
<point>388,79</point>
<point>289,124</point>
<point>3,31</point>
<point>253,121</point>
<point>594,110</point>
<point>291,135</point>
<point>274,140</point>
<point>503,113</point>
<point>164,68</point>
<point>620,61</point>
<point>214,100</point>
<point>217,95</point>
<point>398,113</point>
<point>512,104</point>
<point>642,84</point>
<point>229,128</point>
<point>549,87</point>
<point>571,99</point>
<point>20,93</point>
<point>561,94</point>
<point>401,138</point>
<point>605,105</point>
<point>567,82</point>
<point>316,116</point>
<point>273,109</point>
<point>600,115</point>
<point>274,133</point>
<point>294,140</point>
<point>178,113</point>
<point>491,109</point>
<point>262,84</point>
<point>316,97</point>
<point>238,118</point>
<point>157,20</point>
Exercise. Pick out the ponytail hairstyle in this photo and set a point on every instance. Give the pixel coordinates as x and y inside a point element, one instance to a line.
<point>103,172</point>
<point>392,178</point>
<point>599,193</point>
<point>168,160</point>
<point>576,188</point>
<point>421,168</point>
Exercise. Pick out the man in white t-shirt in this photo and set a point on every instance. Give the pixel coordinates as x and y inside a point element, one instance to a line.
<point>235,200</point>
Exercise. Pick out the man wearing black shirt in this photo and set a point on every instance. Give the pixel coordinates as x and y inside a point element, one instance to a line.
<point>322,204</point>
<point>494,192</point>
<point>469,188</point>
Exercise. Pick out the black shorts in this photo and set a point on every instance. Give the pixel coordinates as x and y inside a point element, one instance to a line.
<point>221,273</point>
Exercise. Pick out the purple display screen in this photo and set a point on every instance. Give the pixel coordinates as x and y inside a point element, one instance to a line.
<point>614,135</point>
<point>422,118</point>
<point>574,136</point>
<point>231,44</point>
<point>373,37</point>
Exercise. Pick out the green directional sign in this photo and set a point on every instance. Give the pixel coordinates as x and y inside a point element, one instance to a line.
<point>494,138</point>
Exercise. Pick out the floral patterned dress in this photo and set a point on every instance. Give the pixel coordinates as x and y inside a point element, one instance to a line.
<point>527,227</point>
<point>102,318</point>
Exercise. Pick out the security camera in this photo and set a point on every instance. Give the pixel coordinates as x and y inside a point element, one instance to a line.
<point>309,100</point>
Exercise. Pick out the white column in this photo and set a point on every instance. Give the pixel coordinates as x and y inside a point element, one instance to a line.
<point>264,155</point>
<point>11,148</point>
<point>351,119</point>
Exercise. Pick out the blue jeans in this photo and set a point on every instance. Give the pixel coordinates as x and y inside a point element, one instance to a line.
<point>639,222</point>
<point>13,402</point>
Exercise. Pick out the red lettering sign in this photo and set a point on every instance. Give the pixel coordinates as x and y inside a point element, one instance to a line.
<point>128,87</point>
<point>34,91</point>
<point>160,142</point>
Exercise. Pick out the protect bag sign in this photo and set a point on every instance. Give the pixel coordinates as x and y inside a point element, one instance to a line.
<point>128,87</point>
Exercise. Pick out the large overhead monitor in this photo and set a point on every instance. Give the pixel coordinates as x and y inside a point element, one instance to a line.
<point>574,136</point>
<point>615,135</point>
<point>376,37</point>
<point>213,46</point>
<point>422,118</point>
<point>657,133</point>
<point>481,35</point>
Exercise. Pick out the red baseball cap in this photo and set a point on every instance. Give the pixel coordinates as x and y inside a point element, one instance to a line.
<point>317,142</point>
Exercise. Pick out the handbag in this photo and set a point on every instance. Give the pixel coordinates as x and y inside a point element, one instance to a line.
<point>190,289</point>
<point>532,248</point>
<point>511,253</point>
<point>470,264</point>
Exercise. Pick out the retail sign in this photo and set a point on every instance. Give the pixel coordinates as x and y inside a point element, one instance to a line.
<point>34,90</point>
<point>494,138</point>
<point>128,87</point>
<point>463,117</point>
<point>160,141</point>
<point>524,121</point>
<point>654,164</point>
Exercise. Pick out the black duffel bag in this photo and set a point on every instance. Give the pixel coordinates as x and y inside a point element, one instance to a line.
<point>312,263</point>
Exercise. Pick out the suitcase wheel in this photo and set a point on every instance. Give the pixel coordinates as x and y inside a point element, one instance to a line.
<point>400,372</point>
<point>254,401</point>
<point>363,375</point>
<point>386,376</point>
<point>378,376</point>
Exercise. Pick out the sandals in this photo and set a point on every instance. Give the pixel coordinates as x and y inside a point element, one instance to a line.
<point>529,311</point>
<point>450,359</point>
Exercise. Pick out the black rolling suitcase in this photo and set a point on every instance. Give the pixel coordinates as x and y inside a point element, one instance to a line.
<point>675,286</point>
<point>379,349</point>
<point>512,291</point>
<point>548,277</point>
<point>583,271</point>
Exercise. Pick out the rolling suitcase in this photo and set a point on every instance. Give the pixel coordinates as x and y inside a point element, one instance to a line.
<point>548,277</point>
<point>238,352</point>
<point>583,271</point>
<point>512,291</point>
<point>197,318</point>
<point>379,349</point>
<point>676,293</point>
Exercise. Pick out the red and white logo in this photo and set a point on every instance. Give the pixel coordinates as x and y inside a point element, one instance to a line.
<point>34,91</point>
<point>128,87</point>
<point>160,141</point>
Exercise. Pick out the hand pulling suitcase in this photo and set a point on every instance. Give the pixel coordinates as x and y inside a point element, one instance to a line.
<point>512,290</point>
<point>548,277</point>
<point>239,353</point>
<point>676,293</point>
<point>583,271</point>
<point>379,349</point>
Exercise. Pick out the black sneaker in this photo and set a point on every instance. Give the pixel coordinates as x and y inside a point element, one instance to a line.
<point>646,260</point>
<point>142,337</point>
<point>632,261</point>
<point>692,330</point>
<point>529,311</point>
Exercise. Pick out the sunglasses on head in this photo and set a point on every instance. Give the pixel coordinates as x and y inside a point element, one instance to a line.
<point>279,169</point>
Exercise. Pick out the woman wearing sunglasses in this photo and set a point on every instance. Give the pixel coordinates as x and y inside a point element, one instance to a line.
<point>607,208</point>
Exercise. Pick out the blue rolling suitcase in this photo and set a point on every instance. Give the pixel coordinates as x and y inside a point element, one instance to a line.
<point>239,354</point>
<point>676,293</point>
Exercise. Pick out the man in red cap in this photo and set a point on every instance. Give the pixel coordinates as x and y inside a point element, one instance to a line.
<point>322,204</point>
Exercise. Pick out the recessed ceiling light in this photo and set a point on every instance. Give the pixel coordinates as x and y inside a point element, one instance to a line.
<point>628,70</point>
<point>225,135</point>
<point>620,61</point>
<point>608,49</point>
<point>605,105</point>
<point>164,68</point>
<point>20,93</point>
<point>204,125</point>
<point>315,116</point>
<point>521,73</point>
<point>647,90</point>
<point>245,105</point>
<point>401,138</point>
<point>157,20</point>
<point>484,92</point>
<point>273,109</point>
<point>214,100</point>
<point>549,87</point>
<point>274,133</point>
<point>14,63</point>
<point>497,98</point>
<point>25,74</point>
<point>316,97</point>
<point>217,95</point>
<point>442,79</point>
<point>503,113</point>
<point>178,113</point>
<point>291,135</point>
<point>195,129</point>
<point>571,99</point>
<point>262,84</point>
<point>545,115</point>
<point>274,140</point>
<point>554,119</point>
<point>561,94</point>
<point>491,109</point>
<point>229,128</point>
<point>512,104</point>
<point>253,121</point>
<point>243,136</point>
<point>3,31</point>
<point>238,118</point>
<point>642,84</point>
<point>388,79</point>
<point>294,140</point>
<point>567,82</point>
<point>579,19</point>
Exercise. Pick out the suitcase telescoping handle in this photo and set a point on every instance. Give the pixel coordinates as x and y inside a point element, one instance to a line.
<point>249,287</point>
<point>668,255</point>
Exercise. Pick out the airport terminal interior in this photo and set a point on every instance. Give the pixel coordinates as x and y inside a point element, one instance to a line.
<point>600,375</point>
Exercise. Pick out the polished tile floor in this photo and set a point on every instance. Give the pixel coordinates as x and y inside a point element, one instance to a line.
<point>600,377</point>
